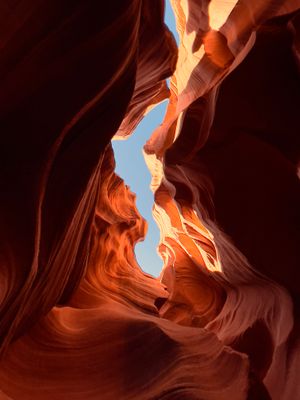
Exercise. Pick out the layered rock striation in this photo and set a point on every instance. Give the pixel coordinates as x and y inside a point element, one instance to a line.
<point>78,317</point>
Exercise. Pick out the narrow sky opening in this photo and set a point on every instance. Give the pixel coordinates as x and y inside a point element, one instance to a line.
<point>131,167</point>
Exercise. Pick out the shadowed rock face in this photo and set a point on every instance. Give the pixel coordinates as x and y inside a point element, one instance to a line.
<point>78,317</point>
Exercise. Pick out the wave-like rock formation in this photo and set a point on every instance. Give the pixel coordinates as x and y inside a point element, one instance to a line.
<point>79,319</point>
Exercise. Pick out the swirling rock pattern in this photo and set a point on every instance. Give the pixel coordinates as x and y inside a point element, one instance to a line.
<point>78,317</point>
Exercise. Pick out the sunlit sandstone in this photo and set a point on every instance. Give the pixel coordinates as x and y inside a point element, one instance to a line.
<point>79,318</point>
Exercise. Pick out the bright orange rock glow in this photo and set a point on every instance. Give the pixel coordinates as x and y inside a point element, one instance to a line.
<point>79,319</point>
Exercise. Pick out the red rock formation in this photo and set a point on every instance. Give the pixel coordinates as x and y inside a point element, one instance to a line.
<point>79,319</point>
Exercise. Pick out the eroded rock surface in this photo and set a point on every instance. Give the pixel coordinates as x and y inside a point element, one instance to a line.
<point>79,318</point>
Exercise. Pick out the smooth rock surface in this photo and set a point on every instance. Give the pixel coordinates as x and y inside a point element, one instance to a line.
<point>79,319</point>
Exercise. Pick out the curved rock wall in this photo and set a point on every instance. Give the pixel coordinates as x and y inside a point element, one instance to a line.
<point>79,319</point>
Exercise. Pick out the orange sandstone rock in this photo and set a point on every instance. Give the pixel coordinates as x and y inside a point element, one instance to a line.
<point>78,317</point>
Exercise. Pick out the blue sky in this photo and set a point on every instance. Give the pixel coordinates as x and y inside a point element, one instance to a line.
<point>131,167</point>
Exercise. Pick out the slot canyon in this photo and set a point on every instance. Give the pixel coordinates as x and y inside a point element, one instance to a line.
<point>79,318</point>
